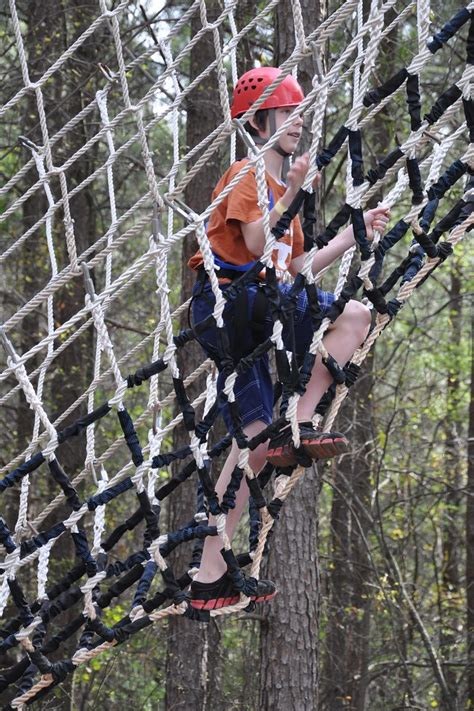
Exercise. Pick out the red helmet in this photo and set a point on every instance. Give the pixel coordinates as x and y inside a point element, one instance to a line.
<point>252,84</point>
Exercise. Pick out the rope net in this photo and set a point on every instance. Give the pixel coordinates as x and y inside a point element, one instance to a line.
<point>130,257</point>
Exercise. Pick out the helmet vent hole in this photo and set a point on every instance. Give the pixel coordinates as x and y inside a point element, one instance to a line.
<point>254,86</point>
<point>246,88</point>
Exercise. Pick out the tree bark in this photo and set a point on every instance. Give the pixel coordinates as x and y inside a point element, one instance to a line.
<point>63,98</point>
<point>348,633</point>
<point>291,629</point>
<point>192,678</point>
<point>452,539</point>
<point>290,635</point>
<point>470,538</point>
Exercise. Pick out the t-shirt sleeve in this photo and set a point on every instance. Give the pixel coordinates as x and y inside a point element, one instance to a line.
<point>243,201</point>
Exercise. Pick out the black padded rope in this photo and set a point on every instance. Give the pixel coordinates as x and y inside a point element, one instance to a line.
<point>145,373</point>
<point>209,491</point>
<point>448,221</point>
<point>448,30</point>
<point>447,99</point>
<point>131,437</point>
<point>228,500</point>
<point>338,306</point>
<point>414,177</point>
<point>83,422</point>
<point>201,510</point>
<point>256,492</point>
<point>355,152</point>
<point>193,532</point>
<point>184,403</point>
<point>69,491</point>
<point>17,474</point>
<point>470,42</point>
<point>468,105</point>
<point>413,101</point>
<point>379,172</point>
<point>151,514</point>
<point>425,242</point>
<point>428,215</point>
<point>165,459</point>
<point>144,583</point>
<point>255,525</point>
<point>27,547</point>
<point>448,179</point>
<point>190,468</point>
<point>83,552</point>
<point>309,220</point>
<point>6,537</point>
<point>375,96</point>
<point>334,226</point>
<point>360,233</point>
<point>109,494</point>
<point>20,602</point>
<point>327,154</point>
<point>335,369</point>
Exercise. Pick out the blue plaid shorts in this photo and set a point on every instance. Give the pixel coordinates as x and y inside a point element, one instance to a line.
<point>254,389</point>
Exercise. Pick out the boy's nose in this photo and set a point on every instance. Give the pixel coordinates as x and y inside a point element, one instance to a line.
<point>298,121</point>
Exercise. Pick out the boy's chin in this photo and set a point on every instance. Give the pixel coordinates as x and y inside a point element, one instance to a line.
<point>291,150</point>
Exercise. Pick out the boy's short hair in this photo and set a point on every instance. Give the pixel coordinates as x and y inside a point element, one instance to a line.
<point>260,119</point>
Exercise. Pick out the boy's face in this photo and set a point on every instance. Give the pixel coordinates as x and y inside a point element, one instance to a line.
<point>289,140</point>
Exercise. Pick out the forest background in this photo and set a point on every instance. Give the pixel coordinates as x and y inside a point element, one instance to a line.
<point>373,553</point>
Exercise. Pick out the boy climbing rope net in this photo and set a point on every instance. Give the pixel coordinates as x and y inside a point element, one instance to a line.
<point>237,238</point>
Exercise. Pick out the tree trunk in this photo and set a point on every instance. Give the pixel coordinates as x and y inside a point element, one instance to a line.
<point>470,538</point>
<point>348,634</point>
<point>452,539</point>
<point>72,369</point>
<point>291,628</point>
<point>346,674</point>
<point>192,678</point>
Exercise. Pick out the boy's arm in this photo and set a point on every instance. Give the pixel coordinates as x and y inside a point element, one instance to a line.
<point>376,220</point>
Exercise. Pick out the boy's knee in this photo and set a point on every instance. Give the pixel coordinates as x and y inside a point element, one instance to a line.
<point>357,317</point>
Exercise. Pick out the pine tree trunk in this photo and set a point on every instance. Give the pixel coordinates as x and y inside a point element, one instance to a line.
<point>470,538</point>
<point>290,634</point>
<point>289,676</point>
<point>452,539</point>
<point>71,371</point>
<point>192,678</point>
<point>347,653</point>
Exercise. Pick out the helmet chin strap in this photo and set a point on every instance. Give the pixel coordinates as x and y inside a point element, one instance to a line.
<point>276,147</point>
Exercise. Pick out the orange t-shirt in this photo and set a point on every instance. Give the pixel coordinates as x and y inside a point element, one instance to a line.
<point>241,205</point>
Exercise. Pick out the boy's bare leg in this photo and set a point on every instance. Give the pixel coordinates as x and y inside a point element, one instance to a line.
<point>341,340</point>
<point>213,565</point>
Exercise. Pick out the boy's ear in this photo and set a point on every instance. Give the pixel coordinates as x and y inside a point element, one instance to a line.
<point>255,125</point>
